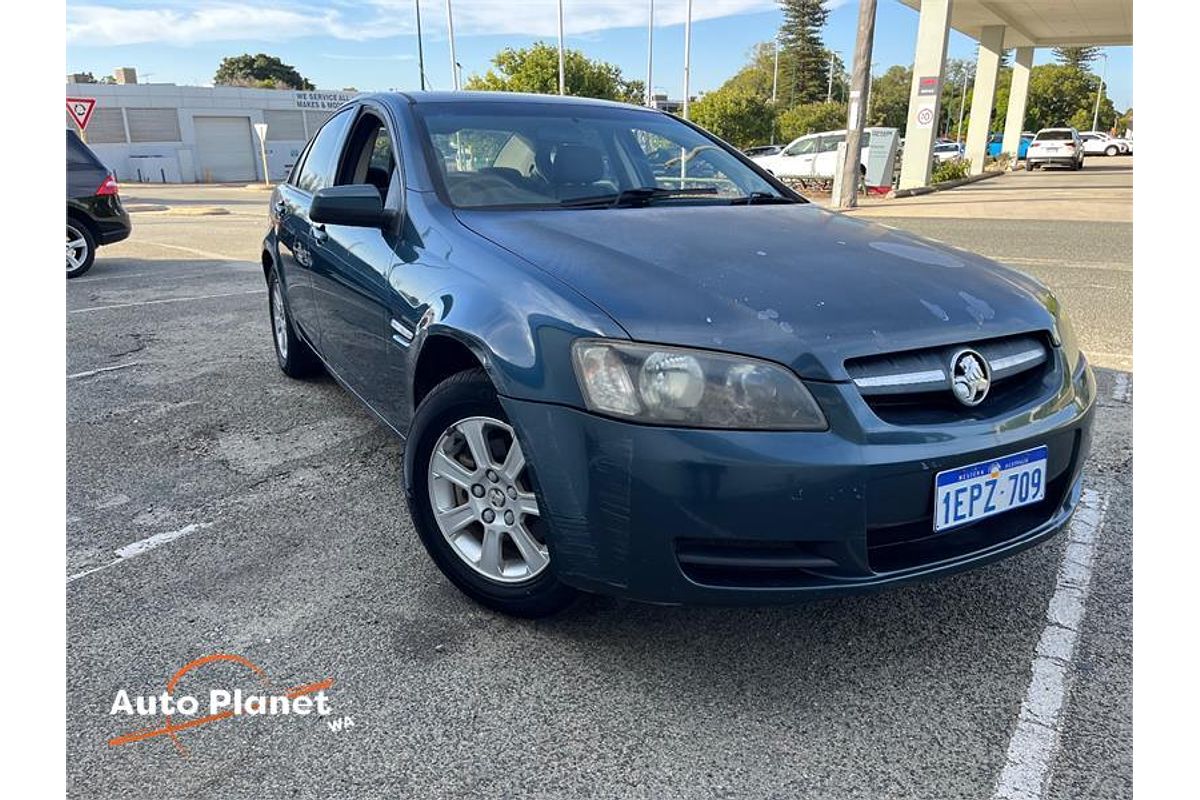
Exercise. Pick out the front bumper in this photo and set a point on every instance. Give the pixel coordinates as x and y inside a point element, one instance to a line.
<point>672,515</point>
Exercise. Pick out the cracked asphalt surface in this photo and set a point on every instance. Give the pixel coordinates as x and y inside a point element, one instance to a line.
<point>294,549</point>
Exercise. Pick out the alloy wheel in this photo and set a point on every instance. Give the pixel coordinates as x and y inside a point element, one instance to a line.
<point>279,320</point>
<point>483,501</point>
<point>77,248</point>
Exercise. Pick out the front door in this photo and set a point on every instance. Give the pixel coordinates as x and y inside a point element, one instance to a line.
<point>366,327</point>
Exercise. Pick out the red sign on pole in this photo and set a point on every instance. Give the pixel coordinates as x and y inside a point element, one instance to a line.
<point>80,109</point>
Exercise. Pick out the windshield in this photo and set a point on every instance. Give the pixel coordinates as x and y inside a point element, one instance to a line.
<point>548,155</point>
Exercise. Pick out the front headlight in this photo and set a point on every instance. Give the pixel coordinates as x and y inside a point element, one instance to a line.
<point>692,388</point>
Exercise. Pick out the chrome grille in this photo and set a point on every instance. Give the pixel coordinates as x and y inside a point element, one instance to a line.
<point>914,387</point>
<point>922,371</point>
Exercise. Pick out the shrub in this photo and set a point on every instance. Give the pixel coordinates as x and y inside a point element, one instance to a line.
<point>952,170</point>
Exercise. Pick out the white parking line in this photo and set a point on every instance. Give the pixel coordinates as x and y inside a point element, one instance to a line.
<point>1121,388</point>
<point>167,300</point>
<point>89,373</point>
<point>142,546</point>
<point>194,251</point>
<point>1035,740</point>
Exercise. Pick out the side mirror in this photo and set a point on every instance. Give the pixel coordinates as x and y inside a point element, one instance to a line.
<point>359,205</point>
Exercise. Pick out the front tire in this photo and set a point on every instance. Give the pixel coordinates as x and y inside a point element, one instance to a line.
<point>295,357</point>
<point>474,502</point>
<point>81,248</point>
<point>1111,150</point>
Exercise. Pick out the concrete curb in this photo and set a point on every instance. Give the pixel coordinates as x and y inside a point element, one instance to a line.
<point>177,211</point>
<point>939,187</point>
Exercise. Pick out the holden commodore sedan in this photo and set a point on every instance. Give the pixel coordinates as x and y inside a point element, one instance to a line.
<point>667,379</point>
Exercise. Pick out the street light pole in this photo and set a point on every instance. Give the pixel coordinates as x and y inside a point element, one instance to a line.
<point>962,103</point>
<point>687,59</point>
<point>775,89</point>
<point>1100,91</point>
<point>420,46</point>
<point>829,89</point>
<point>650,56</point>
<point>562,69</point>
<point>453,56</point>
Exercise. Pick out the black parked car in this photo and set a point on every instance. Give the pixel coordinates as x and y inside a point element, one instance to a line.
<point>95,215</point>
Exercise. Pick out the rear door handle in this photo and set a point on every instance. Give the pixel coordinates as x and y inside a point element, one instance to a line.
<point>318,233</point>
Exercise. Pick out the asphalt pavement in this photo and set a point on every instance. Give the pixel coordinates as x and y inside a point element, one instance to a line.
<point>216,506</point>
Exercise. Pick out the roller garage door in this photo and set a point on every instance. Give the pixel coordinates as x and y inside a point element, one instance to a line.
<point>224,149</point>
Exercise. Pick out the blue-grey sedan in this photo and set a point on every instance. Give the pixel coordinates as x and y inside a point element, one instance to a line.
<point>627,360</point>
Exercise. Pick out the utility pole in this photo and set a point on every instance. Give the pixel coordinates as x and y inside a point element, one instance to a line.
<point>687,59</point>
<point>562,68</point>
<point>851,157</point>
<point>650,56</point>
<point>453,56</point>
<point>1100,91</point>
<point>420,46</point>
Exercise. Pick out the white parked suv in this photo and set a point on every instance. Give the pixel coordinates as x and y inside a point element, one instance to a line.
<point>1055,146</point>
<point>1100,143</point>
<point>812,156</point>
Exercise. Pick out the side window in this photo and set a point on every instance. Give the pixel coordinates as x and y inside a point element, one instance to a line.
<point>830,143</point>
<point>294,177</point>
<point>320,165</point>
<point>802,147</point>
<point>368,157</point>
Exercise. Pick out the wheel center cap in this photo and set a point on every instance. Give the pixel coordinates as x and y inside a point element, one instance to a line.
<point>496,498</point>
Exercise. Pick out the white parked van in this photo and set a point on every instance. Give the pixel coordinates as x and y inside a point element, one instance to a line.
<point>813,155</point>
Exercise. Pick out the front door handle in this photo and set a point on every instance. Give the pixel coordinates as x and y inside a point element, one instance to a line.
<point>318,233</point>
<point>280,207</point>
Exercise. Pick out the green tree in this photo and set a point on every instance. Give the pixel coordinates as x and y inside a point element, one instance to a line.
<point>811,118</point>
<point>804,61</point>
<point>741,118</point>
<point>889,98</point>
<point>1061,95</point>
<point>260,71</point>
<point>535,69</point>
<point>1078,57</point>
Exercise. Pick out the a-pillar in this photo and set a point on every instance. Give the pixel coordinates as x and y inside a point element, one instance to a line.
<point>924,100</point>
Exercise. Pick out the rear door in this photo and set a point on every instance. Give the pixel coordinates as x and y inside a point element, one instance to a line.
<point>317,169</point>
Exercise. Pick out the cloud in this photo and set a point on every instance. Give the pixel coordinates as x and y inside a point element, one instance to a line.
<point>184,22</point>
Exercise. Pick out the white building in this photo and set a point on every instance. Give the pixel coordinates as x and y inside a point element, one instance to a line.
<point>167,133</point>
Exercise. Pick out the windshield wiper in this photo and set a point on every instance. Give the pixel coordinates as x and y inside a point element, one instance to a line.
<point>640,195</point>
<point>765,198</point>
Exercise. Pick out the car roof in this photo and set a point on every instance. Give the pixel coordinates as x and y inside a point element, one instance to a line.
<point>417,98</point>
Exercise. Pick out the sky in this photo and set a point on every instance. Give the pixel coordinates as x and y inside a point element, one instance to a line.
<point>371,44</point>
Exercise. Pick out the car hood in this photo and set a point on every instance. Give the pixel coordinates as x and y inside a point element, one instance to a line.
<point>791,283</point>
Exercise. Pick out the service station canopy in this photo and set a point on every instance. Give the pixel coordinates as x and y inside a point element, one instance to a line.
<point>1045,23</point>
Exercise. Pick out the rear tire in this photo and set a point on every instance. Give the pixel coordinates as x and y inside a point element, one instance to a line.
<point>464,512</point>
<point>1029,166</point>
<point>295,357</point>
<point>81,248</point>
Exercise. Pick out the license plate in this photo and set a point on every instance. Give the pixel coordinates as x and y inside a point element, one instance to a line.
<point>976,491</point>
